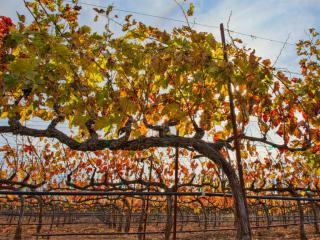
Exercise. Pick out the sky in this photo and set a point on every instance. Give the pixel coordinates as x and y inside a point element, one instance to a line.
<point>273,19</point>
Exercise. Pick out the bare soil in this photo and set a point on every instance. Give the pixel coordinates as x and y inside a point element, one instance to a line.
<point>291,232</point>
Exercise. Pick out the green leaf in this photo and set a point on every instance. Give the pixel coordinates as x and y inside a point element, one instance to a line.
<point>11,81</point>
<point>9,58</point>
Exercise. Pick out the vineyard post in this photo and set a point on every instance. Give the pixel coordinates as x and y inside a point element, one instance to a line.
<point>176,168</point>
<point>147,204</point>
<point>234,123</point>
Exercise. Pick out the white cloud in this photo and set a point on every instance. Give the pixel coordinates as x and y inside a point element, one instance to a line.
<point>270,19</point>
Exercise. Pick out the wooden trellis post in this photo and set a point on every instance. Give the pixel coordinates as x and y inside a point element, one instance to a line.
<point>147,204</point>
<point>176,169</point>
<point>234,122</point>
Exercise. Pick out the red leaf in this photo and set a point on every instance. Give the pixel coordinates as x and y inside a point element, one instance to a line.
<point>304,115</point>
<point>99,162</point>
<point>28,148</point>
<point>210,165</point>
<point>265,117</point>
<point>280,131</point>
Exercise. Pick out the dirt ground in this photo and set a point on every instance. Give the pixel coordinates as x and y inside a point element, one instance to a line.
<point>291,232</point>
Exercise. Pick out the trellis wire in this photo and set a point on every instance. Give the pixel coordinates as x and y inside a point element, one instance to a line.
<point>195,194</point>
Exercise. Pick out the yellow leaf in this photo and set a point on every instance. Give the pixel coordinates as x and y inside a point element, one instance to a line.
<point>190,10</point>
<point>20,174</point>
<point>4,115</point>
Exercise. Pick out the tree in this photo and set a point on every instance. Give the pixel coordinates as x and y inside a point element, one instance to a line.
<point>118,91</point>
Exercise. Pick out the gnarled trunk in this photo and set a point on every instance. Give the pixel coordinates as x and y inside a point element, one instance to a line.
<point>141,217</point>
<point>128,215</point>
<point>315,215</point>
<point>39,226</point>
<point>303,235</point>
<point>169,221</point>
<point>266,211</point>
<point>18,232</point>
<point>241,214</point>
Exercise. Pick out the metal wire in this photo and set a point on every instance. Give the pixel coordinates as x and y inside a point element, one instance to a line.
<point>202,194</point>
